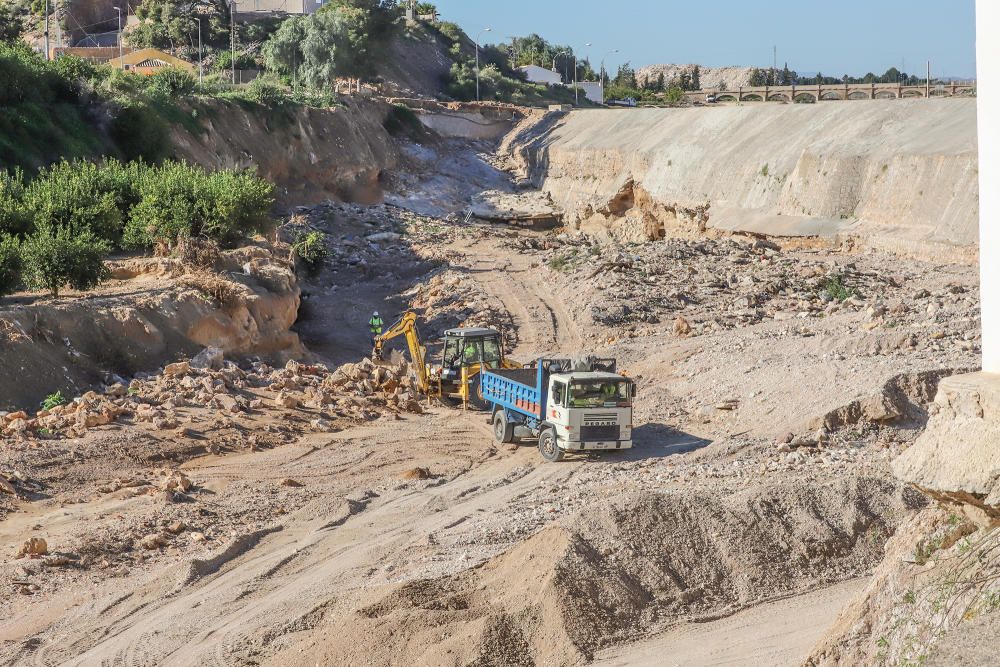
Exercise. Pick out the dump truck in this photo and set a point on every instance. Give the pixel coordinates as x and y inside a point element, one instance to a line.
<point>456,372</point>
<point>570,405</point>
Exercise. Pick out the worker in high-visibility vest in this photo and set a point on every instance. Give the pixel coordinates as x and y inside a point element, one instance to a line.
<point>375,325</point>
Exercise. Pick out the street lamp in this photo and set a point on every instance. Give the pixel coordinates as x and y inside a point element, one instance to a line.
<point>201,67</point>
<point>556,56</point>
<point>576,69</point>
<point>478,37</point>
<point>120,56</point>
<point>602,68</point>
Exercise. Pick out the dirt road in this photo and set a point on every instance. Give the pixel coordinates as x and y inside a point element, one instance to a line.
<point>776,634</point>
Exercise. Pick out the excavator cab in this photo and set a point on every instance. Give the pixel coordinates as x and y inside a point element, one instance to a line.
<point>464,354</point>
<point>470,347</point>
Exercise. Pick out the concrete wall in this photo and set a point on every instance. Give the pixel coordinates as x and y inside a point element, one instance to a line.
<point>467,124</point>
<point>899,173</point>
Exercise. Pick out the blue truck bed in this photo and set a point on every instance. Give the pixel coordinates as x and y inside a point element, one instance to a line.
<point>518,389</point>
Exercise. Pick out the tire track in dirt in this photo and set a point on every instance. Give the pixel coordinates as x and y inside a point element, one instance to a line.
<point>236,610</point>
<point>544,325</point>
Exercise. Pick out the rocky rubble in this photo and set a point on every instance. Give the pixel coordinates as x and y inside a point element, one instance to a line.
<point>707,286</point>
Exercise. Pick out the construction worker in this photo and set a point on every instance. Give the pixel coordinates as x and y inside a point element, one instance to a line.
<point>609,392</point>
<point>375,325</point>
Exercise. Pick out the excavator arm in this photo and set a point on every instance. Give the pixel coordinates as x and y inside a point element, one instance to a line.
<point>406,326</point>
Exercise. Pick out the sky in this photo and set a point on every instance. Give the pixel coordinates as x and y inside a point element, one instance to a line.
<point>836,38</point>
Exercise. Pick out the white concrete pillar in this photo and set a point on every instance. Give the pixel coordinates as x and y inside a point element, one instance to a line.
<point>988,101</point>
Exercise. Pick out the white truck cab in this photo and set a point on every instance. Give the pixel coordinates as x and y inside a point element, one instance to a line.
<point>590,410</point>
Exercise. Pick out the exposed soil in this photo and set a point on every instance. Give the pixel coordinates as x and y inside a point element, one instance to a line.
<point>329,517</point>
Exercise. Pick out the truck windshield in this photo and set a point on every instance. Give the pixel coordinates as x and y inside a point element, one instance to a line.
<point>599,393</point>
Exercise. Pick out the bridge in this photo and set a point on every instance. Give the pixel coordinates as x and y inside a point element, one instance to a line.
<point>824,92</point>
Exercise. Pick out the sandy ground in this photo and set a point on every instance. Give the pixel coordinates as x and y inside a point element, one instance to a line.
<point>416,539</point>
<point>774,634</point>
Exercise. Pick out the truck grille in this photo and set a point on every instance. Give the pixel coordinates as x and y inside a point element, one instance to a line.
<point>598,433</point>
<point>599,418</point>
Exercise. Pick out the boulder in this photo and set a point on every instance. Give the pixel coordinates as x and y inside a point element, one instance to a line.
<point>210,358</point>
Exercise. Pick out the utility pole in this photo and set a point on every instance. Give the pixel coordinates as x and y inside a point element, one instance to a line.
<point>201,65</point>
<point>479,37</point>
<point>232,38</point>
<point>47,54</point>
<point>121,56</point>
<point>59,42</point>
<point>576,71</point>
<point>927,87</point>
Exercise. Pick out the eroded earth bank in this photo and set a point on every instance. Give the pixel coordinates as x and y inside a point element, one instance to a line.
<point>240,486</point>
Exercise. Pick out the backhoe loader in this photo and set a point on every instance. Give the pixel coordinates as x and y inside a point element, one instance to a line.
<point>456,374</point>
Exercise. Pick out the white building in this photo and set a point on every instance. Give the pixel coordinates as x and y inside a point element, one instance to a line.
<point>278,6</point>
<point>592,90</point>
<point>538,74</point>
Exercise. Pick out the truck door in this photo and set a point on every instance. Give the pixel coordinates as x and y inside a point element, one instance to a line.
<point>557,401</point>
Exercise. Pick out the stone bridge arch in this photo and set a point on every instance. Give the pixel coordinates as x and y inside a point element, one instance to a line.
<point>913,92</point>
<point>778,97</point>
<point>885,94</point>
<point>831,95</point>
<point>805,98</point>
<point>752,97</point>
<point>726,97</point>
<point>858,95</point>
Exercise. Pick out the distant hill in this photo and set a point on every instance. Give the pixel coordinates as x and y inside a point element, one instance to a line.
<point>711,77</point>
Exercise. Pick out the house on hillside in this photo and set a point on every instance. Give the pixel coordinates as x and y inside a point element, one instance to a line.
<point>536,74</point>
<point>274,7</point>
<point>149,61</point>
<point>96,55</point>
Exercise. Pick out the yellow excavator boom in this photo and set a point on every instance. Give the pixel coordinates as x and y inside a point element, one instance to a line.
<point>407,326</point>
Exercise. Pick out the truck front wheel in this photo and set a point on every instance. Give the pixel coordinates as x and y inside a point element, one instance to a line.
<point>503,431</point>
<point>548,446</point>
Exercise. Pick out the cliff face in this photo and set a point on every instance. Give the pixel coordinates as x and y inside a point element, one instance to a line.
<point>897,174</point>
<point>310,154</point>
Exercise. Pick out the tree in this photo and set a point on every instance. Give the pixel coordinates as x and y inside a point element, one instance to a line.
<point>675,95</point>
<point>892,75</point>
<point>757,77</point>
<point>685,81</point>
<point>336,41</point>
<point>786,76</point>
<point>13,21</point>
<point>626,77</point>
<point>661,85</point>
<point>696,78</point>
<point>56,257</point>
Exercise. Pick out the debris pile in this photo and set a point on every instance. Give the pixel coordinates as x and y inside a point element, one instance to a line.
<point>356,392</point>
<point>709,285</point>
<point>454,299</point>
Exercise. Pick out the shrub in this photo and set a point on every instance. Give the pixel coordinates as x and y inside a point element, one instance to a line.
<point>13,218</point>
<point>312,250</point>
<point>139,132</point>
<point>53,400</point>
<point>179,200</point>
<point>264,92</point>
<point>74,194</point>
<point>11,264</point>
<point>836,289</point>
<point>56,257</point>
<point>171,83</point>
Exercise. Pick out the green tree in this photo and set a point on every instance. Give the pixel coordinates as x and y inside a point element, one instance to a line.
<point>696,78</point>
<point>11,264</point>
<point>625,77</point>
<point>57,257</point>
<point>675,95</point>
<point>13,21</point>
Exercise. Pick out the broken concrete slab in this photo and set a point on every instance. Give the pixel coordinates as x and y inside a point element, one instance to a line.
<point>532,208</point>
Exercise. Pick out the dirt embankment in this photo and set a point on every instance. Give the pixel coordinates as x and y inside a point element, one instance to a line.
<point>310,154</point>
<point>900,175</point>
<point>153,310</point>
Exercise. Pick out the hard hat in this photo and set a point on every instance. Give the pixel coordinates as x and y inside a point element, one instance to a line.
<point>375,313</point>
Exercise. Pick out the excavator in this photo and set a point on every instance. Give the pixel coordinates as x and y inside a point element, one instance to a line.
<point>456,375</point>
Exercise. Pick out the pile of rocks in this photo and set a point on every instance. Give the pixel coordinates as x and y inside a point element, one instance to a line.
<point>723,284</point>
<point>453,299</point>
<point>358,392</point>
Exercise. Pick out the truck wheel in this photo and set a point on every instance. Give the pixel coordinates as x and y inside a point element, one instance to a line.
<point>548,446</point>
<point>503,431</point>
<point>476,399</point>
